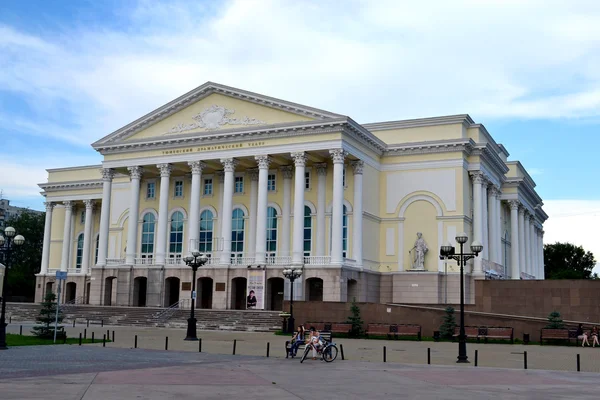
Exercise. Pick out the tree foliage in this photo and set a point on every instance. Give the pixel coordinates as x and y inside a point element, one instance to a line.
<point>567,261</point>
<point>355,320</point>
<point>45,327</point>
<point>555,321</point>
<point>449,324</point>
<point>25,260</point>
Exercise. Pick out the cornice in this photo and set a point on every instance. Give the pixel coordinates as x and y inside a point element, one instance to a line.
<point>435,146</point>
<point>418,122</point>
<point>203,91</point>
<point>97,166</point>
<point>61,186</point>
<point>486,153</point>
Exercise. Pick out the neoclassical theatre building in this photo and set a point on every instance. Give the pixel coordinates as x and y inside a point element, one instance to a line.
<point>261,184</point>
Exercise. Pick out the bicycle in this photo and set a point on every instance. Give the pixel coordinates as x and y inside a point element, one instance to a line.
<point>328,352</point>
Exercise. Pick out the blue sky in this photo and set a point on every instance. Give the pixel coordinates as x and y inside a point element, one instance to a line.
<point>71,72</point>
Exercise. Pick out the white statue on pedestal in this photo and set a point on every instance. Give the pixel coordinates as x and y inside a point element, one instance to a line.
<point>420,249</point>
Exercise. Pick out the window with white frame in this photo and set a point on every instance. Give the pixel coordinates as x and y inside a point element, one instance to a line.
<point>150,190</point>
<point>307,180</point>
<point>205,244</point>
<point>97,245</point>
<point>79,255</point>
<point>307,231</point>
<point>176,236</point>
<point>271,232</point>
<point>345,232</point>
<point>82,218</point>
<point>208,187</point>
<point>178,192</point>
<point>239,184</point>
<point>271,182</point>
<point>237,234</point>
<point>148,225</point>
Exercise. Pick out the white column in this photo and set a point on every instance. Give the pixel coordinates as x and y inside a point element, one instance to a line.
<point>87,236</point>
<point>477,217</point>
<point>163,214</point>
<point>527,243</point>
<point>286,210</point>
<point>499,232</point>
<point>135,174</point>
<point>536,253</point>
<point>107,177</point>
<point>522,264</point>
<point>229,168</point>
<point>194,217</point>
<point>541,250</point>
<point>298,236</point>
<point>261,209</point>
<point>66,247</point>
<point>253,173</point>
<point>493,221</point>
<point>514,239</point>
<point>357,238</point>
<point>47,236</point>
<point>532,246</point>
<point>337,209</point>
<point>484,219</point>
<point>321,207</point>
<point>221,177</point>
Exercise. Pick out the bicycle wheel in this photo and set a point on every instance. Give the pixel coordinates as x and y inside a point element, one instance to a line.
<point>306,350</point>
<point>330,353</point>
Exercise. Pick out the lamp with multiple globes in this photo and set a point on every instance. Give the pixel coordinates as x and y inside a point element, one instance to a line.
<point>7,242</point>
<point>292,274</point>
<point>195,261</point>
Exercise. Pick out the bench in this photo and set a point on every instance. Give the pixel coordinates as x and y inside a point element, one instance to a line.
<point>379,330</point>
<point>340,328</point>
<point>95,321</point>
<point>326,335</point>
<point>406,330</point>
<point>504,333</point>
<point>320,326</point>
<point>471,332</point>
<point>558,334</point>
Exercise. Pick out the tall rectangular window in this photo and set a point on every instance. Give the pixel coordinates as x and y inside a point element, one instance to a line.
<point>208,187</point>
<point>307,180</point>
<point>271,183</point>
<point>150,190</point>
<point>344,176</point>
<point>239,184</point>
<point>82,218</point>
<point>178,189</point>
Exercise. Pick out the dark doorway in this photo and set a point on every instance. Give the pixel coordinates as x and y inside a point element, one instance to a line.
<point>171,291</point>
<point>87,292</point>
<point>352,290</point>
<point>205,292</point>
<point>70,292</point>
<point>238,293</point>
<point>49,288</point>
<point>109,282</point>
<point>314,289</point>
<point>275,294</point>
<point>140,285</point>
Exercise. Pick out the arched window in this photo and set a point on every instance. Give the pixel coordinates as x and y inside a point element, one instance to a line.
<point>307,231</point>
<point>96,254</point>
<point>148,225</point>
<point>345,232</point>
<point>176,236</point>
<point>237,234</point>
<point>271,232</point>
<point>79,256</point>
<point>206,232</point>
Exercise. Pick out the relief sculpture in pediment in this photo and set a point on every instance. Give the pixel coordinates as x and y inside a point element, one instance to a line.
<point>213,118</point>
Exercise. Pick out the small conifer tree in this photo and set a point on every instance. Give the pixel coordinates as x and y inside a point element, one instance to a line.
<point>45,327</point>
<point>449,324</point>
<point>354,319</point>
<point>555,321</point>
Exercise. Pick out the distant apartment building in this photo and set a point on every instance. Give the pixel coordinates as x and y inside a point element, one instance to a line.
<point>8,212</point>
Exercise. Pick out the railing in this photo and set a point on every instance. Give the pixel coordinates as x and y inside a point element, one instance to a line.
<point>279,260</point>
<point>175,259</point>
<point>144,261</point>
<point>115,261</point>
<point>67,306</point>
<point>242,260</point>
<point>166,314</point>
<point>317,260</point>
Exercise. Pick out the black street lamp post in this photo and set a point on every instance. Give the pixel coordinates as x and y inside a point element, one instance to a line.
<point>195,261</point>
<point>6,247</point>
<point>447,252</point>
<point>292,275</point>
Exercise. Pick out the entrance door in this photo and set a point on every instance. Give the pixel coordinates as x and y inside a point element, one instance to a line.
<point>275,294</point>
<point>238,293</point>
<point>109,282</point>
<point>205,289</point>
<point>140,285</point>
<point>70,292</point>
<point>171,291</point>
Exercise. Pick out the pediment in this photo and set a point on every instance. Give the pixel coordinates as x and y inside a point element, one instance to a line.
<point>212,108</point>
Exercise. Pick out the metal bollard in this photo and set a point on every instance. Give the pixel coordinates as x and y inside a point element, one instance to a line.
<point>428,356</point>
<point>21,330</point>
<point>166,343</point>
<point>88,323</point>
<point>80,338</point>
<point>103,340</point>
<point>135,343</point>
<point>107,334</point>
<point>342,351</point>
<point>200,345</point>
<point>234,344</point>
<point>525,360</point>
<point>578,363</point>
<point>92,337</point>
<point>476,357</point>
<point>10,319</point>
<point>85,333</point>
<point>102,323</point>
<point>113,337</point>
<point>73,323</point>
<point>65,339</point>
<point>384,354</point>
<point>268,345</point>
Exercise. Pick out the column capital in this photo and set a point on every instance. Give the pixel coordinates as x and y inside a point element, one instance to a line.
<point>321,169</point>
<point>477,177</point>
<point>135,172</point>
<point>357,166</point>
<point>253,173</point>
<point>165,170</point>
<point>107,174</point>
<point>299,159</point>
<point>522,210</point>
<point>229,164</point>
<point>197,167</point>
<point>89,204</point>
<point>496,191</point>
<point>68,205</point>
<point>338,155</point>
<point>263,161</point>
<point>287,171</point>
<point>220,175</point>
<point>49,206</point>
<point>514,204</point>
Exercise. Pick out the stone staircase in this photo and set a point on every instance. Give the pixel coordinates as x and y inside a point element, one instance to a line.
<point>231,320</point>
